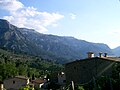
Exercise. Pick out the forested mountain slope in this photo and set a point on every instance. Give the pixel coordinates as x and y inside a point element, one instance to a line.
<point>62,49</point>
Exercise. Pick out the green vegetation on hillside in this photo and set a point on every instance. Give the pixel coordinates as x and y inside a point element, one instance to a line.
<point>19,64</point>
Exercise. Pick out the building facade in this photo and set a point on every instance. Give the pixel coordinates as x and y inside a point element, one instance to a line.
<point>16,83</point>
<point>82,71</point>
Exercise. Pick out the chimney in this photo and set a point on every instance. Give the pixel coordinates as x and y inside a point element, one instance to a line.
<point>90,54</point>
<point>100,54</point>
<point>105,54</point>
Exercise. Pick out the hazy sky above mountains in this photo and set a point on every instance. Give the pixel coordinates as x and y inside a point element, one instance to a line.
<point>92,20</point>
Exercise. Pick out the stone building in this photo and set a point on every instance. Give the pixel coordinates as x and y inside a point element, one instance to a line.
<point>16,82</point>
<point>61,78</point>
<point>82,71</point>
<point>38,83</point>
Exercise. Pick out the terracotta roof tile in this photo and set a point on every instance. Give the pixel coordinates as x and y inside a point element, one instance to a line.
<point>39,81</point>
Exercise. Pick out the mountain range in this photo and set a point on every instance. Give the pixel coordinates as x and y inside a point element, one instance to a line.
<point>59,48</point>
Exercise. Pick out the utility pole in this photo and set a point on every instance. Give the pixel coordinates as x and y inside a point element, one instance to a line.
<point>119,80</point>
<point>72,83</point>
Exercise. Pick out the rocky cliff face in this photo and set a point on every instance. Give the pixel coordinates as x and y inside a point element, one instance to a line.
<point>47,46</point>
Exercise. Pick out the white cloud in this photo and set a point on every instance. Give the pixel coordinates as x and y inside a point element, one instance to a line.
<point>73,16</point>
<point>29,17</point>
<point>55,25</point>
<point>113,41</point>
<point>11,5</point>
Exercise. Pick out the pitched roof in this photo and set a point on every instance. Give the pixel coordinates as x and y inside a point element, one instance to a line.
<point>19,77</point>
<point>39,81</point>
<point>22,77</point>
<point>113,59</point>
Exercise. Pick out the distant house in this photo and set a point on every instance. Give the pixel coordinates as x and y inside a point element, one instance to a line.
<point>38,82</point>
<point>61,78</point>
<point>82,71</point>
<point>16,82</point>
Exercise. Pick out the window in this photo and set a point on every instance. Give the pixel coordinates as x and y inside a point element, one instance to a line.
<point>84,67</point>
<point>64,81</point>
<point>74,67</point>
<point>13,82</point>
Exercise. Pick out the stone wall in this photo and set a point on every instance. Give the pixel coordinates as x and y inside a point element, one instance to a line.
<point>15,83</point>
<point>83,71</point>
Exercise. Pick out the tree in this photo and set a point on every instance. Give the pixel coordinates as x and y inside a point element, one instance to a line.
<point>80,88</point>
<point>28,87</point>
<point>22,69</point>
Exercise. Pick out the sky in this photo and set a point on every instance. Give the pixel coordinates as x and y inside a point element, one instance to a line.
<point>95,21</point>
